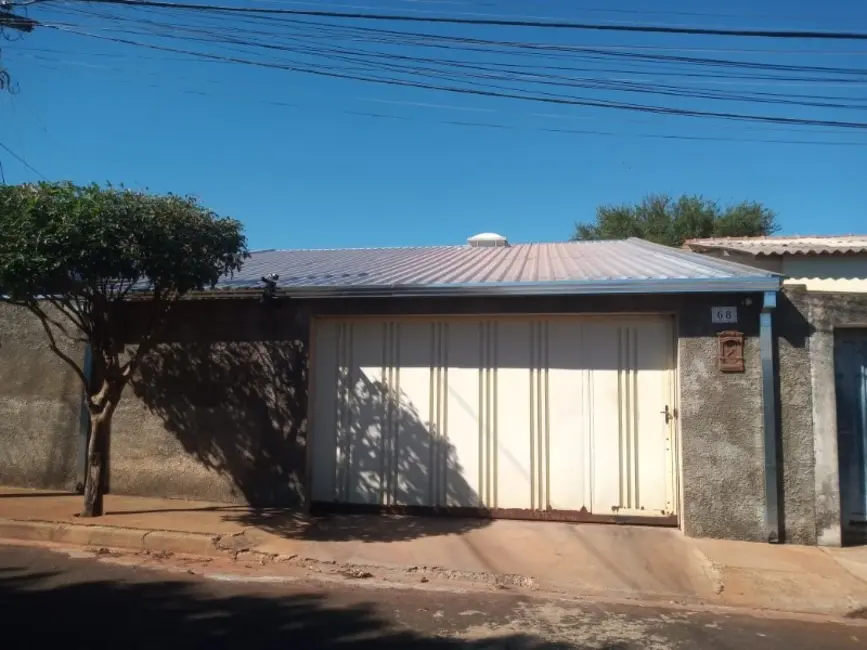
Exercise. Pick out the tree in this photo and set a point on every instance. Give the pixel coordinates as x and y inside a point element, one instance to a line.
<point>73,255</point>
<point>13,22</point>
<point>663,220</point>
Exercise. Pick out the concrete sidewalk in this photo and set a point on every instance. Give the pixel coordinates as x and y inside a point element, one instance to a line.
<point>621,562</point>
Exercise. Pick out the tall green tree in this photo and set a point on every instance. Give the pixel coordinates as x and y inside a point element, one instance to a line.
<point>73,255</point>
<point>664,220</point>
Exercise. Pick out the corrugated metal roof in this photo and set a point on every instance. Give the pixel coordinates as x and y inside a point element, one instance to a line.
<point>790,245</point>
<point>623,266</point>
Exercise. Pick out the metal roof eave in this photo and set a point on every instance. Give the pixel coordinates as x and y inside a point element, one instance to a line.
<point>605,287</point>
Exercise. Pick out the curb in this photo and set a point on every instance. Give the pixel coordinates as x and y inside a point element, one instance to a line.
<point>241,545</point>
<point>203,544</point>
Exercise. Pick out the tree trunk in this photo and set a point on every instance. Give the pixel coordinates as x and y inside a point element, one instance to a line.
<point>97,456</point>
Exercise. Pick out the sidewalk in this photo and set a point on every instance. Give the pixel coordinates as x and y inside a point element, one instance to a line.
<point>619,562</point>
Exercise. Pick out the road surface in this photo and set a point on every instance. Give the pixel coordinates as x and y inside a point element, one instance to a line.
<point>52,600</point>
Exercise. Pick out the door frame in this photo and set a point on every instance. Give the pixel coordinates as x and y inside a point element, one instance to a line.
<point>850,533</point>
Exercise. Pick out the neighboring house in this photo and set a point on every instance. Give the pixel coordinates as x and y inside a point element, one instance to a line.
<point>833,263</point>
<point>831,269</point>
<point>614,381</point>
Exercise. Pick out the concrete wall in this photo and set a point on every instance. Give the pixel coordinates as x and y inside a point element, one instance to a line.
<point>826,313</point>
<point>219,411</point>
<point>40,405</point>
<point>226,407</point>
<point>722,462</point>
<point>795,395</point>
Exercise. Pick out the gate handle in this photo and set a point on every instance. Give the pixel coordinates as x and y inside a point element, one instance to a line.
<point>667,413</point>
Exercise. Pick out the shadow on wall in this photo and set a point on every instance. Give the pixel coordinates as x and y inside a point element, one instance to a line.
<point>240,408</point>
<point>149,614</point>
<point>388,455</point>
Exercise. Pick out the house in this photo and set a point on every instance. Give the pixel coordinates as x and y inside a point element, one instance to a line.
<point>833,263</point>
<point>833,272</point>
<point>615,381</point>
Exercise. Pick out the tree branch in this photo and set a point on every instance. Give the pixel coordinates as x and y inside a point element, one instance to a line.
<point>65,307</point>
<point>52,344</point>
<point>160,310</point>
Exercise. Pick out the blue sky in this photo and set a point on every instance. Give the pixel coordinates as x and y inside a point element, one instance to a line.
<point>307,161</point>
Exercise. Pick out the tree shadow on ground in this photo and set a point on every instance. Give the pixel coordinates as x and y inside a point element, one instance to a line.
<point>240,408</point>
<point>165,614</point>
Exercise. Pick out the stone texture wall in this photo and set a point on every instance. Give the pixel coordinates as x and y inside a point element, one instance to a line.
<point>722,462</point>
<point>825,314</point>
<point>795,395</point>
<point>40,406</point>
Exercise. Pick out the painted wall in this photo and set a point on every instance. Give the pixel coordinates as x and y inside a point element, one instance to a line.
<point>40,405</point>
<point>838,273</point>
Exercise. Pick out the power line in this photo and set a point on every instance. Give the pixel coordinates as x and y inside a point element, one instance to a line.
<point>497,92</point>
<point>597,10</point>
<point>481,22</point>
<point>22,161</point>
<point>506,126</point>
<point>534,74</point>
<point>439,41</point>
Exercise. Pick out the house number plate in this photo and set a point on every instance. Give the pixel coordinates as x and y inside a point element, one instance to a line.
<point>724,314</point>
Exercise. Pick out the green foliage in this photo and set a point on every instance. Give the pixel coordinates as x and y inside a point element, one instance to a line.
<point>81,251</point>
<point>663,220</point>
<point>58,238</point>
<point>84,250</point>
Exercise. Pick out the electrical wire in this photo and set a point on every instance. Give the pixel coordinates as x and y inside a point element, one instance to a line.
<point>22,161</point>
<point>493,125</point>
<point>556,73</point>
<point>477,22</point>
<point>559,100</point>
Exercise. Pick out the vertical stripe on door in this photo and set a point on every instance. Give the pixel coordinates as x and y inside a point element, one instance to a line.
<point>438,409</point>
<point>395,411</point>
<point>587,424</point>
<point>389,393</point>
<point>345,395</point>
<point>627,415</point>
<point>488,352</point>
<point>540,460</point>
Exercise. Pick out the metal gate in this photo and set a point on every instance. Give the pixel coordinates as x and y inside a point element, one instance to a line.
<point>555,417</point>
<point>850,362</point>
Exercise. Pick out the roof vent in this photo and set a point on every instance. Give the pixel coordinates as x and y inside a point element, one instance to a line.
<point>487,240</point>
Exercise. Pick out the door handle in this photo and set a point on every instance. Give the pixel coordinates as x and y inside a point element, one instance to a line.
<point>668,413</point>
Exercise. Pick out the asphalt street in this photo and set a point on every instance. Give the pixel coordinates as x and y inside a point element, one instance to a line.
<point>51,600</point>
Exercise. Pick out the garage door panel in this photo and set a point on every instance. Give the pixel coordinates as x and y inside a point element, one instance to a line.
<point>630,374</point>
<point>362,400</point>
<point>514,479</point>
<point>462,484</point>
<point>366,441</point>
<point>603,414</point>
<point>654,354</point>
<point>565,387</point>
<point>419,421</point>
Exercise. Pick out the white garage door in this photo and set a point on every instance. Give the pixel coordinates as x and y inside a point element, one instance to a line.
<point>548,414</point>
